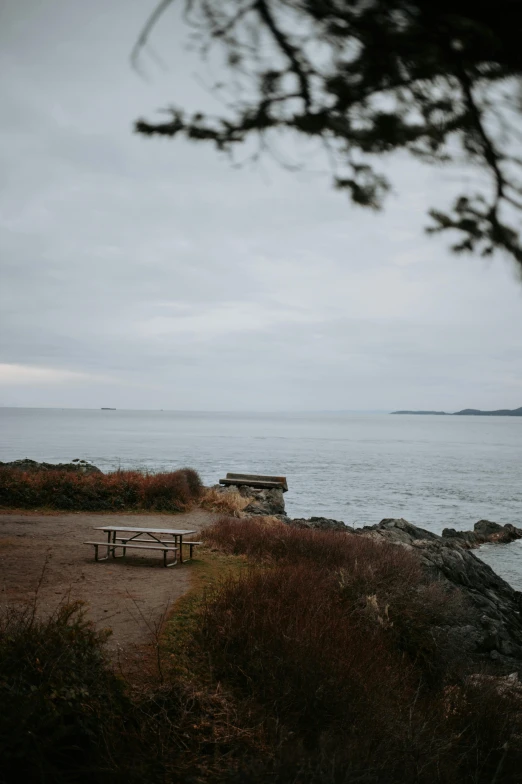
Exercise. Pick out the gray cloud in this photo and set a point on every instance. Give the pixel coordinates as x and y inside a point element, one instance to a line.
<point>143,273</point>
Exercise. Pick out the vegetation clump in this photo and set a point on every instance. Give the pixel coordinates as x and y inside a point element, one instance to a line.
<point>173,491</point>
<point>349,649</point>
<point>60,701</point>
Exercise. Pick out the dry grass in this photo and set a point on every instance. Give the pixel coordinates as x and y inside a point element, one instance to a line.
<point>268,539</point>
<point>230,503</point>
<point>208,570</point>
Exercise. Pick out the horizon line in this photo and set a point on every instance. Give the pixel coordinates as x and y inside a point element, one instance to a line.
<point>208,411</point>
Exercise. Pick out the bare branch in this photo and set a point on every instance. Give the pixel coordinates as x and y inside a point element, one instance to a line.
<point>150,24</point>
<point>361,84</point>
<point>290,51</point>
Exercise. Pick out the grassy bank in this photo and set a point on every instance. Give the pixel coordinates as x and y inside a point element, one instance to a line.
<point>174,491</point>
<point>299,656</point>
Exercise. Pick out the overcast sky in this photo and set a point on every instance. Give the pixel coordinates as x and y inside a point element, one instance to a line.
<point>145,273</point>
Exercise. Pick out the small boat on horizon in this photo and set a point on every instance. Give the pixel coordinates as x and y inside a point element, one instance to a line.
<point>107,409</point>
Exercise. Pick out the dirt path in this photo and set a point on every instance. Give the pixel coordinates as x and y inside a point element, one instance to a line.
<point>130,594</point>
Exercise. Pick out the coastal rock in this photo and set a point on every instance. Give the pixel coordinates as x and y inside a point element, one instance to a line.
<point>507,684</point>
<point>484,531</point>
<point>264,502</point>
<point>494,625</point>
<point>261,502</point>
<point>318,523</point>
<point>77,465</point>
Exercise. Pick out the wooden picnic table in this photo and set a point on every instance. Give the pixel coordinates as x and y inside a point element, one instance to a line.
<point>140,536</point>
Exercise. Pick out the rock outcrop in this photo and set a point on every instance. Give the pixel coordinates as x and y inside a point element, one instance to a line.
<point>483,532</point>
<point>264,502</point>
<point>261,502</point>
<point>318,523</point>
<point>493,631</point>
<point>77,465</point>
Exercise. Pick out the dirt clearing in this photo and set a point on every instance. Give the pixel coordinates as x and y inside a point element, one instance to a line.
<point>44,553</point>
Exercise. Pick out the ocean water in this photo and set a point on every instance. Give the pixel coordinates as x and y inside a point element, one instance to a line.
<point>434,471</point>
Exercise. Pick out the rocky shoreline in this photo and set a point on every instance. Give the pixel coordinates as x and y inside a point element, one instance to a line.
<point>484,532</point>
<point>78,466</point>
<point>493,628</point>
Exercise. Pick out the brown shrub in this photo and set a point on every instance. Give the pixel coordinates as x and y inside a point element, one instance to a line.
<point>171,491</point>
<point>165,491</point>
<point>283,634</point>
<point>376,579</point>
<point>325,549</point>
<point>349,701</point>
<point>194,482</point>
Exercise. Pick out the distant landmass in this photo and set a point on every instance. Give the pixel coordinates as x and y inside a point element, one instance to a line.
<point>438,413</point>
<point>469,412</point>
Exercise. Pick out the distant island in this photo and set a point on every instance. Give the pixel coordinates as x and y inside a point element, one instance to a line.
<point>469,412</point>
<point>438,413</point>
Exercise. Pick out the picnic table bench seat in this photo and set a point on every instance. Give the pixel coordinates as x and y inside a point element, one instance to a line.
<point>111,546</point>
<point>191,546</point>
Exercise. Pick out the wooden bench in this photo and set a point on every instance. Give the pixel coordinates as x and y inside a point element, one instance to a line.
<point>111,547</point>
<point>259,481</point>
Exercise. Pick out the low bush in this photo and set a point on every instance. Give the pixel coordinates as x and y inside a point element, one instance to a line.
<point>284,635</point>
<point>347,645</point>
<point>277,542</point>
<point>66,717</point>
<point>171,491</point>
<point>194,482</point>
<point>373,578</point>
<point>60,703</point>
<point>351,703</point>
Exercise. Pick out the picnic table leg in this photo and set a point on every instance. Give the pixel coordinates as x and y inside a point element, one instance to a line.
<point>181,548</point>
<point>97,556</point>
<point>173,563</point>
<point>123,541</point>
<point>108,546</point>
